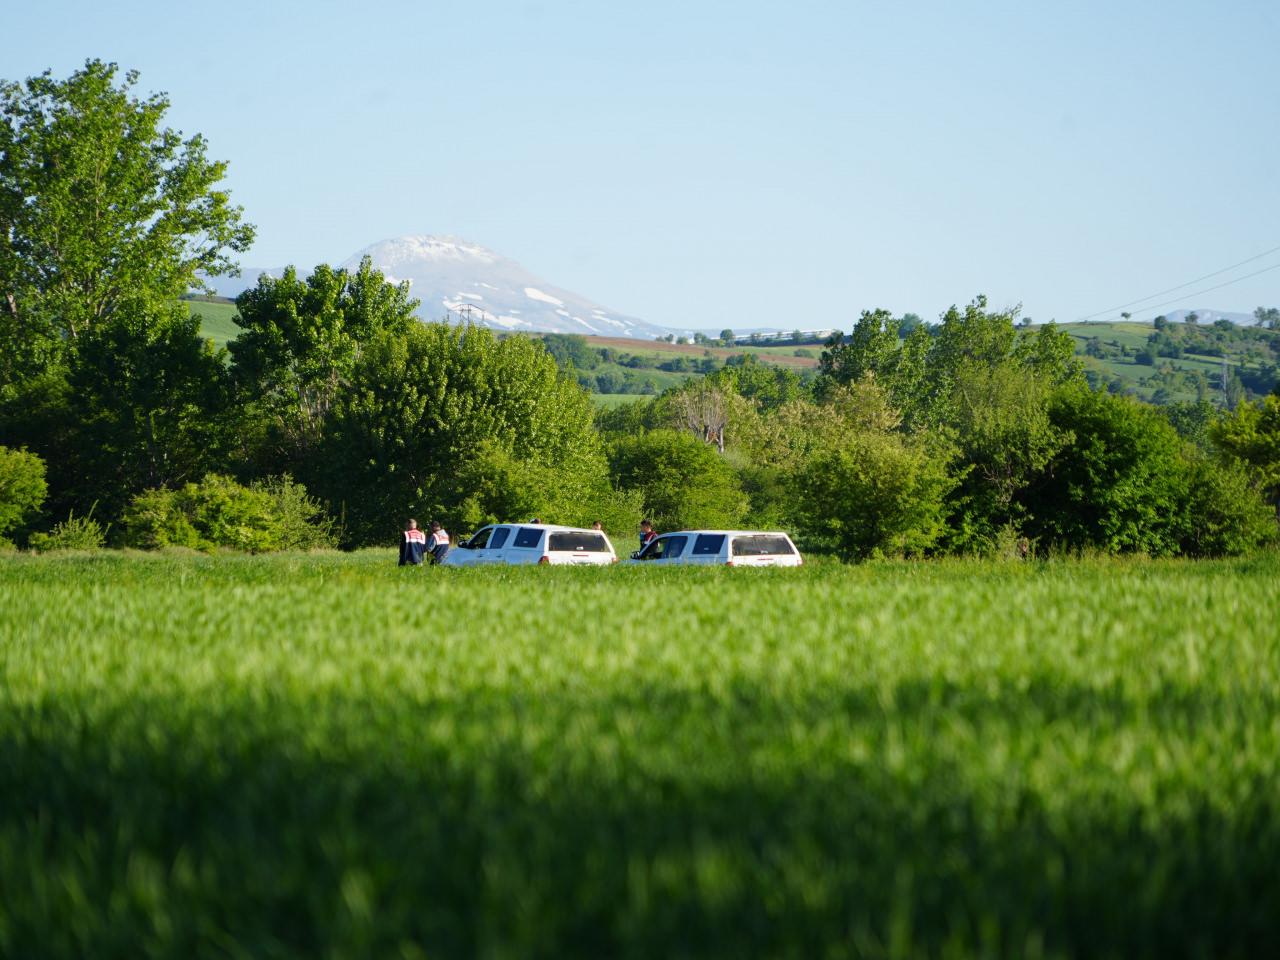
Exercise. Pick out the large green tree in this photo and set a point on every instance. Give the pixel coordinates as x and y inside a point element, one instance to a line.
<point>299,345</point>
<point>423,403</point>
<point>107,217</point>
<point>103,210</point>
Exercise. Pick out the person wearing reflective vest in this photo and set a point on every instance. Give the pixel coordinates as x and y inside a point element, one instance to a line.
<point>439,542</point>
<point>413,545</point>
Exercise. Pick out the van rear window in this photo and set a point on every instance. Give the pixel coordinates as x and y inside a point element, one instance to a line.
<point>527,537</point>
<point>586,542</point>
<point>762,546</point>
<point>708,544</point>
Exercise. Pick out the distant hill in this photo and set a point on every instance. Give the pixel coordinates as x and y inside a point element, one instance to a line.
<point>1184,363</point>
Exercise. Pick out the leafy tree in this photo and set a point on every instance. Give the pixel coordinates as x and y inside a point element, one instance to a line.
<point>104,210</point>
<point>1251,435</point>
<point>727,337</point>
<point>875,493</point>
<point>682,482</point>
<point>1225,513</point>
<point>493,485</point>
<point>147,406</point>
<point>1160,322</point>
<point>22,487</point>
<point>907,324</point>
<point>421,402</point>
<point>299,345</point>
<point>1120,484</point>
<point>1000,419</point>
<point>1268,317</point>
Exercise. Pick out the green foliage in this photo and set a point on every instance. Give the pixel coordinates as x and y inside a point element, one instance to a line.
<point>147,406</point>
<point>1120,485</point>
<point>105,211</point>
<point>876,493</point>
<point>74,533</point>
<point>1252,435</point>
<point>220,513</point>
<point>422,402</point>
<point>22,487</point>
<point>684,483</point>
<point>298,348</point>
<point>571,348</point>
<point>287,756</point>
<point>1225,515</point>
<point>493,486</point>
<point>1000,418</point>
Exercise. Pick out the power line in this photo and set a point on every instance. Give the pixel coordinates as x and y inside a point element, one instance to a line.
<point>1207,276</point>
<point>1274,266</point>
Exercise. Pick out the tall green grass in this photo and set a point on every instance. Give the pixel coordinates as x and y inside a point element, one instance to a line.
<point>329,756</point>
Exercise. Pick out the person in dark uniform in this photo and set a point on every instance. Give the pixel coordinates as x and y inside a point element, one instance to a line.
<point>413,545</point>
<point>439,542</point>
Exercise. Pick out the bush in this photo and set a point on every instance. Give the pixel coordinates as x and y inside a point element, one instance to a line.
<point>220,513</point>
<point>684,483</point>
<point>1226,515</point>
<point>1120,484</point>
<point>22,487</point>
<point>875,494</point>
<point>73,533</point>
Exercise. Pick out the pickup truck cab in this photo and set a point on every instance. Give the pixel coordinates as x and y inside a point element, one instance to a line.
<point>733,548</point>
<point>521,543</point>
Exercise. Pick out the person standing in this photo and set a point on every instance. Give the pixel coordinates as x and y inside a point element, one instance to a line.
<point>647,533</point>
<point>439,542</point>
<point>413,545</point>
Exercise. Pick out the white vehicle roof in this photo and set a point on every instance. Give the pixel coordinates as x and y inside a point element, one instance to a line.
<point>537,526</point>
<point>731,533</point>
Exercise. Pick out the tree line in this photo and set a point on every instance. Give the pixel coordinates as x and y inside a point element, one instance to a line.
<point>336,413</point>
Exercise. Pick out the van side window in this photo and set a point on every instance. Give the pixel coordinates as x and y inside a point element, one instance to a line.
<point>527,537</point>
<point>480,540</point>
<point>708,544</point>
<point>666,548</point>
<point>499,538</point>
<point>762,545</point>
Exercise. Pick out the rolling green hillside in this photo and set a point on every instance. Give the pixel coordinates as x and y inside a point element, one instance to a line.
<point>1183,362</point>
<point>217,319</point>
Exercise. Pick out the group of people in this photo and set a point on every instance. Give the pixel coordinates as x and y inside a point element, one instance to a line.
<point>417,547</point>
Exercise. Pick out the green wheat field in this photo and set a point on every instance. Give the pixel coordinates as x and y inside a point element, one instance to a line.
<point>327,756</point>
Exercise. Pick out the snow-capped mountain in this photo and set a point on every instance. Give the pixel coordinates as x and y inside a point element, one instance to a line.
<point>464,281</point>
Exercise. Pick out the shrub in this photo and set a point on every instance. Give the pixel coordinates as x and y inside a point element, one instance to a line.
<point>875,494</point>
<point>1226,515</point>
<point>22,487</point>
<point>220,513</point>
<point>304,525</point>
<point>1120,484</point>
<point>73,533</point>
<point>684,483</point>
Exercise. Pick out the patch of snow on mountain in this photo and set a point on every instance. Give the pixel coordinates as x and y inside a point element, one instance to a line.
<point>533,293</point>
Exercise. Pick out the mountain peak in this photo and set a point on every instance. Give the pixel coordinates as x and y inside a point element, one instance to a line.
<point>459,280</point>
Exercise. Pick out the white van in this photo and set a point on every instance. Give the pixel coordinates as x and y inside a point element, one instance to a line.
<point>733,548</point>
<point>531,543</point>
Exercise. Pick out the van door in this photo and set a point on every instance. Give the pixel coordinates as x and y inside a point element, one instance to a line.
<point>495,552</point>
<point>666,550</point>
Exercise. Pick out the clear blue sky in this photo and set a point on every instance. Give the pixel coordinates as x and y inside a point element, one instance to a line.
<point>739,163</point>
